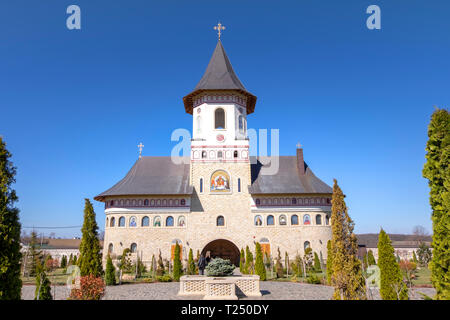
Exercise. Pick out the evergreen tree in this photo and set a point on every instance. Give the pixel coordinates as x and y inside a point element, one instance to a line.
<point>74,260</point>
<point>177,263</point>
<point>191,263</point>
<point>43,290</point>
<point>317,266</point>
<point>10,256</point>
<point>347,277</point>
<point>260,270</point>
<point>160,267</point>
<point>110,276</point>
<point>298,266</point>
<point>414,257</point>
<point>286,262</point>
<point>279,266</point>
<point>329,262</point>
<point>391,279</point>
<point>370,258</point>
<point>248,261</point>
<point>35,255</point>
<point>63,261</point>
<point>242,262</point>
<point>153,265</point>
<point>90,261</point>
<point>437,171</point>
<point>70,260</point>
<point>424,254</point>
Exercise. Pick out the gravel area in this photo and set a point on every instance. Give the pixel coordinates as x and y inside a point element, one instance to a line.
<point>271,290</point>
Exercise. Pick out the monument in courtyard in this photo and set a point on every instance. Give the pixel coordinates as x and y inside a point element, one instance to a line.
<point>218,200</point>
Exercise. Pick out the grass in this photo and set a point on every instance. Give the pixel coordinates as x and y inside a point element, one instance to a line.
<point>422,277</point>
<point>56,277</point>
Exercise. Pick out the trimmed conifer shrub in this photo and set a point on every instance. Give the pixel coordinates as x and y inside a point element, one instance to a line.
<point>35,255</point>
<point>414,258</point>
<point>391,279</point>
<point>191,263</point>
<point>177,271</point>
<point>242,262</point>
<point>317,266</point>
<point>329,262</point>
<point>10,256</point>
<point>63,261</point>
<point>110,276</point>
<point>370,258</point>
<point>437,171</point>
<point>279,266</point>
<point>219,267</point>
<point>90,261</point>
<point>160,267</point>
<point>260,269</point>
<point>43,290</point>
<point>249,267</point>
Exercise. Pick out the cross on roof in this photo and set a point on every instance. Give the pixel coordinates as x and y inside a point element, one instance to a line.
<point>140,146</point>
<point>299,145</point>
<point>219,28</point>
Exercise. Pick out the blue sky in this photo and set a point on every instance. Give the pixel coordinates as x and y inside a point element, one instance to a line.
<point>75,103</point>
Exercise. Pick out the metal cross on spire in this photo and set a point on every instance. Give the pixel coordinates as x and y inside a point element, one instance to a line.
<point>299,145</point>
<point>140,146</point>
<point>219,29</point>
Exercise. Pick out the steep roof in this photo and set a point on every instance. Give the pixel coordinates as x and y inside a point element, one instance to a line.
<point>152,175</point>
<point>288,179</point>
<point>219,75</point>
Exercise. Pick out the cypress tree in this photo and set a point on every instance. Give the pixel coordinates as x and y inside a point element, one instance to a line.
<point>242,262</point>
<point>370,258</point>
<point>437,171</point>
<point>10,256</point>
<point>90,261</point>
<point>347,277</point>
<point>248,261</point>
<point>63,261</point>
<point>392,286</point>
<point>191,263</point>
<point>177,263</point>
<point>43,290</point>
<point>153,265</point>
<point>70,260</point>
<point>317,266</point>
<point>286,262</point>
<point>260,270</point>
<point>414,257</point>
<point>329,262</point>
<point>160,267</point>
<point>35,255</point>
<point>279,266</point>
<point>74,260</point>
<point>110,276</point>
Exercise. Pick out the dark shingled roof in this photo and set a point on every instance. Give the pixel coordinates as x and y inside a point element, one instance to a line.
<point>219,75</point>
<point>286,180</point>
<point>152,175</point>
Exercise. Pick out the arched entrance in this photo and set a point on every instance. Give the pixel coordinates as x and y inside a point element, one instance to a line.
<point>223,249</point>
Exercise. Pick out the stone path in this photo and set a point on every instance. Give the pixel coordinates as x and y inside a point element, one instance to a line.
<point>271,290</point>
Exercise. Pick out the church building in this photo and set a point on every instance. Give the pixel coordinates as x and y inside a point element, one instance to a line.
<point>219,200</point>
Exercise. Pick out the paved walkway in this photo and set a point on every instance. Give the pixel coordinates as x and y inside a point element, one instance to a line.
<point>271,290</point>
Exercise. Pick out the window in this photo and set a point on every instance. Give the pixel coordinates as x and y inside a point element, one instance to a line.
<point>145,202</point>
<point>306,219</point>
<point>307,245</point>
<point>219,117</point>
<point>327,219</point>
<point>283,220</point>
<point>258,221</point>
<point>110,248</point>
<point>241,124</point>
<point>201,185</point>
<point>220,221</point>
<point>122,222</point>
<point>169,221</point>
<point>145,221</point>
<point>294,201</point>
<point>258,202</point>
<point>112,222</point>
<point>181,221</point>
<point>133,222</point>
<point>203,154</point>
<point>235,154</point>
<point>219,154</point>
<point>294,219</point>
<point>157,221</point>
<point>199,124</point>
<point>133,247</point>
<point>183,202</point>
<point>112,203</point>
<point>318,219</point>
<point>239,184</point>
<point>270,221</point>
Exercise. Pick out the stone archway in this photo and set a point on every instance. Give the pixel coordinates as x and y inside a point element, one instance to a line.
<point>223,249</point>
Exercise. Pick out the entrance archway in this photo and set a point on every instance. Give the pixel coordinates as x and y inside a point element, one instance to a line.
<point>223,249</point>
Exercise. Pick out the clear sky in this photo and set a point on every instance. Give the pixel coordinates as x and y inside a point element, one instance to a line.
<point>75,103</point>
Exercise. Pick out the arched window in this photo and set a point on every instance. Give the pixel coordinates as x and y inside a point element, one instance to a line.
<point>145,221</point>
<point>270,221</point>
<point>327,220</point>
<point>283,221</point>
<point>235,154</point>
<point>157,221</point>
<point>183,202</point>
<point>201,185</point>
<point>318,219</point>
<point>241,124</point>
<point>110,248</point>
<point>112,203</point>
<point>112,222</point>
<point>219,118</point>
<point>307,245</point>
<point>169,221</point>
<point>258,202</point>
<point>203,154</point>
<point>107,221</point>
<point>220,221</point>
<point>146,202</point>
<point>199,124</point>
<point>122,222</point>
<point>219,154</point>
<point>306,219</point>
<point>239,184</point>
<point>294,201</point>
<point>133,247</point>
<point>258,221</point>
<point>181,221</point>
<point>294,220</point>
<point>133,222</point>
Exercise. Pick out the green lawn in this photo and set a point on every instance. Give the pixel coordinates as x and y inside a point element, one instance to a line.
<point>422,277</point>
<point>56,277</point>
